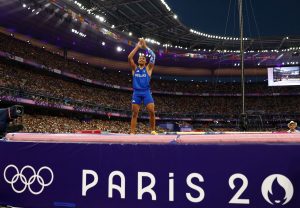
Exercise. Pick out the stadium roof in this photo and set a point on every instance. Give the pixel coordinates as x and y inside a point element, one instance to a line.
<point>88,28</point>
<point>155,19</point>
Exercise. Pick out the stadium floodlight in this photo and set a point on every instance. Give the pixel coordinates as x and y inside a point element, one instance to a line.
<point>166,5</point>
<point>24,5</point>
<point>78,33</point>
<point>130,33</point>
<point>119,49</point>
<point>103,43</point>
<point>113,26</point>
<point>175,16</point>
<point>102,19</point>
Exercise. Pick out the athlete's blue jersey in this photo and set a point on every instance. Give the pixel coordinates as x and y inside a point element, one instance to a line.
<point>141,79</point>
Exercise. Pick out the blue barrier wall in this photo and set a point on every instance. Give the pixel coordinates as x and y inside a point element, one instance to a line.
<point>37,175</point>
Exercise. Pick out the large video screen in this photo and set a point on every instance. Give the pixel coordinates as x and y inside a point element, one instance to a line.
<point>284,76</point>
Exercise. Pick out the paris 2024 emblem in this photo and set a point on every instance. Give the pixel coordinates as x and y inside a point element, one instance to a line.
<point>277,189</point>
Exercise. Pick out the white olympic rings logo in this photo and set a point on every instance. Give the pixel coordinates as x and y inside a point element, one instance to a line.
<point>28,182</point>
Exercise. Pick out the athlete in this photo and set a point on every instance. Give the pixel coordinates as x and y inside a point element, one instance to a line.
<point>141,84</point>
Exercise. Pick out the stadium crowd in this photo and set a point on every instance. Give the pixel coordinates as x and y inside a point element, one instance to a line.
<point>56,90</point>
<point>38,123</point>
<point>53,60</point>
<point>58,124</point>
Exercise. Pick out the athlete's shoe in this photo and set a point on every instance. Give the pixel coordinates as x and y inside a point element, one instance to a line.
<point>154,133</point>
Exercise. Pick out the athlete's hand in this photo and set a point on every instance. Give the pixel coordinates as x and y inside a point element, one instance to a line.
<point>139,44</point>
<point>143,42</point>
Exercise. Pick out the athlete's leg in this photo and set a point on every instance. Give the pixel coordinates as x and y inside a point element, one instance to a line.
<point>135,107</point>
<point>135,112</point>
<point>149,102</point>
<point>150,108</point>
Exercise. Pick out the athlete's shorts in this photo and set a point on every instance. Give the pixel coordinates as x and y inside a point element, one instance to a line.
<point>142,96</point>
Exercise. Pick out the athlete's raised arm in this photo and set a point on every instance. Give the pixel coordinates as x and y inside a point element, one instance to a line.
<point>151,63</point>
<point>131,55</point>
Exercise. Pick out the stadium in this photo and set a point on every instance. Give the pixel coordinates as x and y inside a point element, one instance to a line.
<point>121,103</point>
